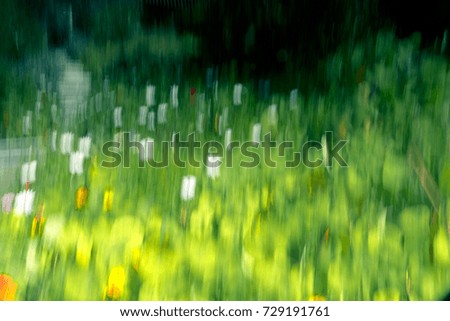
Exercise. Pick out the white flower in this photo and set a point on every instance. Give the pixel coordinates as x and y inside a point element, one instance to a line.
<point>143,110</point>
<point>66,143</point>
<point>148,144</point>
<point>200,123</point>
<point>135,137</point>
<point>216,90</point>
<point>237,94</point>
<point>150,95</point>
<point>42,79</point>
<point>53,228</point>
<point>325,152</point>
<point>98,102</point>
<point>54,137</point>
<point>106,85</point>
<point>174,96</point>
<point>119,138</point>
<point>247,263</point>
<point>201,102</point>
<point>220,125</point>
<point>225,117</point>
<point>31,262</point>
<point>293,99</point>
<point>84,145</point>
<point>118,117</point>
<point>188,188</point>
<point>7,202</point>
<point>76,163</point>
<point>162,113</point>
<point>273,117</point>
<point>28,172</point>
<point>213,166</point>
<point>151,121</point>
<point>27,123</point>
<point>227,137</point>
<point>23,203</point>
<point>54,112</point>
<point>256,133</point>
<point>38,105</point>
<point>38,108</point>
<point>82,110</point>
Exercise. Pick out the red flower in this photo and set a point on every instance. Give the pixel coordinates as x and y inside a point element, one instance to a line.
<point>192,92</point>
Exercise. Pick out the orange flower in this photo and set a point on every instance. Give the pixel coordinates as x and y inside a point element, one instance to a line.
<point>81,197</point>
<point>8,288</point>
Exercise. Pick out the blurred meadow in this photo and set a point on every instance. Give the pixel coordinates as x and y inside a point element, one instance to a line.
<point>76,75</point>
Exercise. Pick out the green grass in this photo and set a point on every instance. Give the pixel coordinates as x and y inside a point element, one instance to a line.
<point>363,232</point>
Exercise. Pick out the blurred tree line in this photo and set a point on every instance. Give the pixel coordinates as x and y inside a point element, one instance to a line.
<point>267,34</point>
<point>263,36</point>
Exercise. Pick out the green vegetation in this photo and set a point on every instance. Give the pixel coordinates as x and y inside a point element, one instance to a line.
<point>363,232</point>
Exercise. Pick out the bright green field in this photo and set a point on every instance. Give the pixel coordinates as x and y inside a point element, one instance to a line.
<point>364,232</point>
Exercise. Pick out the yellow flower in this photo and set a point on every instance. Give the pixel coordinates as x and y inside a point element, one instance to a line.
<point>83,251</point>
<point>267,198</point>
<point>81,197</point>
<point>107,200</point>
<point>8,288</point>
<point>135,258</point>
<point>33,227</point>
<point>316,298</point>
<point>387,295</point>
<point>38,223</point>
<point>116,283</point>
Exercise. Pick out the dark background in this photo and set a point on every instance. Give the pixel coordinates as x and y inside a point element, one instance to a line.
<point>300,32</point>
